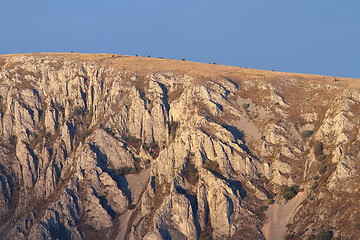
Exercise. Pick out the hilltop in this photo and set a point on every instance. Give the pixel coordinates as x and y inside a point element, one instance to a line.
<point>122,147</point>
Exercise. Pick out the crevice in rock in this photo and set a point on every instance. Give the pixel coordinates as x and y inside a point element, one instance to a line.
<point>102,162</point>
<point>56,228</point>
<point>194,206</point>
<point>105,204</point>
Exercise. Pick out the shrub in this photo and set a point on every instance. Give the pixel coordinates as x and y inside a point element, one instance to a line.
<point>147,162</point>
<point>49,140</point>
<point>289,236</point>
<point>318,149</point>
<point>126,170</point>
<point>173,127</point>
<point>262,137</point>
<point>153,149</point>
<point>59,107</point>
<point>264,179</point>
<point>271,201</point>
<point>80,111</point>
<point>324,235</point>
<point>133,141</point>
<point>306,152</point>
<point>320,158</point>
<point>290,192</point>
<point>206,234</point>
<point>322,169</point>
<point>306,134</point>
<point>191,173</point>
<point>212,166</point>
<point>131,206</point>
<point>314,186</point>
<point>137,160</point>
<point>85,134</point>
<point>13,139</point>
<point>246,105</point>
<point>175,94</point>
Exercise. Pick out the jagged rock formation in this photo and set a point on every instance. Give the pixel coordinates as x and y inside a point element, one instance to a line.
<point>114,147</point>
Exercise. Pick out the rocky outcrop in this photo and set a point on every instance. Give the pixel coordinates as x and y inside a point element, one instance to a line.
<point>91,148</point>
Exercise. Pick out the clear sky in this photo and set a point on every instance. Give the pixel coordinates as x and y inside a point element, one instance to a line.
<point>305,36</point>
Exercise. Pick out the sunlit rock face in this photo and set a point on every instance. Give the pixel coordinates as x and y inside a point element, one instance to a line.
<point>116,147</point>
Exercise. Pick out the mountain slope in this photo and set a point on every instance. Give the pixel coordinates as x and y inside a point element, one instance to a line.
<point>117,147</point>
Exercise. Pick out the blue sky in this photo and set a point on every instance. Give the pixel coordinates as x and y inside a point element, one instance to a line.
<point>307,36</point>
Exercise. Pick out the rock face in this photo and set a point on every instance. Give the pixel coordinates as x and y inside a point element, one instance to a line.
<point>114,147</point>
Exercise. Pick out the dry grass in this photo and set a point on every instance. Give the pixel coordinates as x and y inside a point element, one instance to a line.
<point>143,65</point>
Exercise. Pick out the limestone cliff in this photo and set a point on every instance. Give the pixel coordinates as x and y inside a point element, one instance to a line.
<point>116,147</point>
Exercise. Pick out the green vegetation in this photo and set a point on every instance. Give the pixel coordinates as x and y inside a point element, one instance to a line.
<point>137,160</point>
<point>306,152</point>
<point>175,94</point>
<point>191,173</point>
<point>37,137</point>
<point>321,158</point>
<point>153,149</point>
<point>85,134</point>
<point>126,170</point>
<point>134,142</point>
<point>289,236</point>
<point>314,186</point>
<point>12,139</point>
<point>270,201</point>
<point>322,169</point>
<point>264,179</point>
<point>206,234</point>
<point>318,148</point>
<point>80,111</point>
<point>147,162</point>
<point>131,206</point>
<point>173,127</point>
<point>306,134</point>
<point>212,166</point>
<point>318,151</point>
<point>246,105</point>
<point>290,192</point>
<point>262,137</point>
<point>160,192</point>
<point>59,107</point>
<point>324,235</point>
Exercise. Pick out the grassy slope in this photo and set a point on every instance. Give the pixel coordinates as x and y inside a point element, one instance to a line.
<point>201,70</point>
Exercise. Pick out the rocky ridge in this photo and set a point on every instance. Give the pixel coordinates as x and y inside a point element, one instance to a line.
<point>94,147</point>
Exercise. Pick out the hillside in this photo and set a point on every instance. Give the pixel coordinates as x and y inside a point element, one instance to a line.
<point>102,146</point>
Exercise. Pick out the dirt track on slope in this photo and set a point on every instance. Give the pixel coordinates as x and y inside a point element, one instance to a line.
<point>280,215</point>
